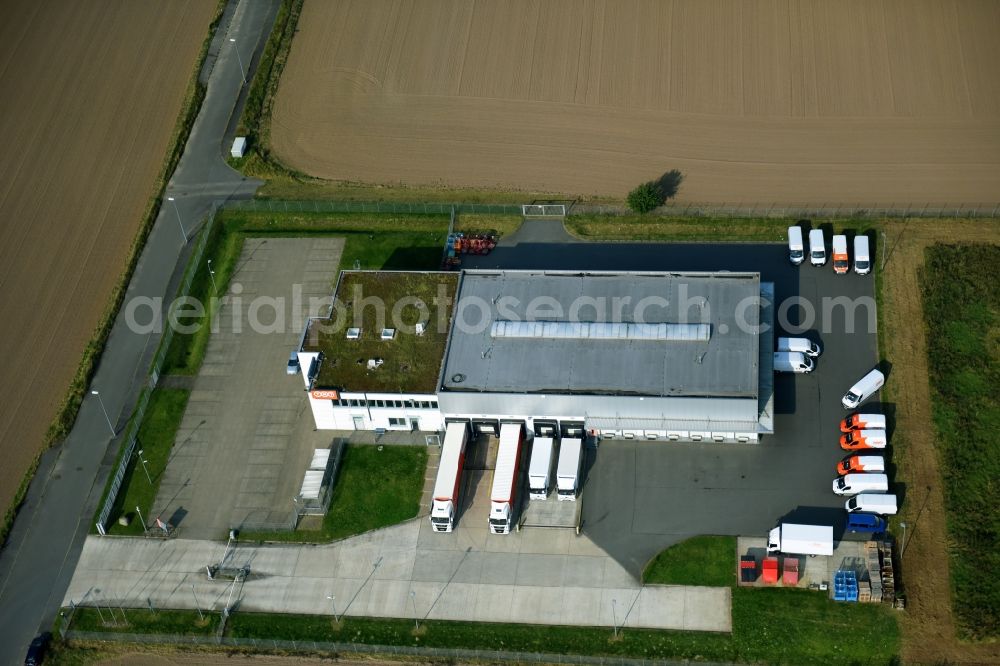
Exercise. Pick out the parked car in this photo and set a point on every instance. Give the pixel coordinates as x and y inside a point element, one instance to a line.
<point>861,464</point>
<point>859,440</point>
<point>293,364</point>
<point>817,248</point>
<point>865,522</point>
<point>863,389</point>
<point>792,362</point>
<point>863,422</point>
<point>36,651</point>
<point>801,345</point>
<point>884,505</point>
<point>855,484</point>
<point>796,250</point>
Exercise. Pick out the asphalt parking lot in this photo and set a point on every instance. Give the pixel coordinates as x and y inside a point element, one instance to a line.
<point>644,496</point>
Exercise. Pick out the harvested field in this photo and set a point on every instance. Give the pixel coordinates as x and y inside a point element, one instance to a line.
<point>785,101</point>
<point>90,100</point>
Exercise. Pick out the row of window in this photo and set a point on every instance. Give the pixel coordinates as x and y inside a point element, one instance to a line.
<point>399,404</point>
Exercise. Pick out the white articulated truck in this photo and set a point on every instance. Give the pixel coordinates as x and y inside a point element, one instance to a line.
<point>444,504</point>
<point>540,468</point>
<point>503,494</point>
<point>801,539</point>
<point>568,470</point>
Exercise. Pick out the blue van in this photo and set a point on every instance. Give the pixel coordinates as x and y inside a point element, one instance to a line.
<point>865,522</point>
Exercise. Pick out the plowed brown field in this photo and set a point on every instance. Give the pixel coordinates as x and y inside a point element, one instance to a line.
<point>89,96</point>
<point>855,101</point>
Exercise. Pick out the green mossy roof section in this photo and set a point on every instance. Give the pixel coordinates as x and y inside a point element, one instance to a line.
<point>412,362</point>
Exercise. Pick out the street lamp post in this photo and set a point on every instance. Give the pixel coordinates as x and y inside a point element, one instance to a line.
<point>902,546</point>
<point>333,602</point>
<point>144,468</point>
<point>196,604</point>
<point>614,616</point>
<point>211,274</point>
<point>142,522</point>
<point>177,212</point>
<point>416,620</point>
<point>242,71</point>
<point>104,409</point>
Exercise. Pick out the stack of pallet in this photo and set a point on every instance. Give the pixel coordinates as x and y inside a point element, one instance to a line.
<point>864,592</point>
<point>888,579</point>
<point>874,571</point>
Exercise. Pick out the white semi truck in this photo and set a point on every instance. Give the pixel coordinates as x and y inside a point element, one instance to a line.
<point>503,494</point>
<point>540,468</point>
<point>796,539</point>
<point>568,469</point>
<point>444,504</point>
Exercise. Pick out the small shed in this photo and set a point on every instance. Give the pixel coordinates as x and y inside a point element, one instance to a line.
<point>239,146</point>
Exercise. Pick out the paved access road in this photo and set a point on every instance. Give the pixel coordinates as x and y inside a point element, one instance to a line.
<point>540,576</point>
<point>39,558</point>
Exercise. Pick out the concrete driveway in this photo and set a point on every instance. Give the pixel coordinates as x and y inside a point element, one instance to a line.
<point>247,434</point>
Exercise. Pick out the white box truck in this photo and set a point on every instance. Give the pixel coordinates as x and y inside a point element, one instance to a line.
<point>503,494</point>
<point>795,539</point>
<point>540,468</point>
<point>568,470</point>
<point>444,504</point>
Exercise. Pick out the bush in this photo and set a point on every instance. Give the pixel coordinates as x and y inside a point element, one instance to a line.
<point>645,198</point>
<point>655,193</point>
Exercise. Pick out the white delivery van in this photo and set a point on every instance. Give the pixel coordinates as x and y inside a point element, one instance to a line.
<point>855,484</point>
<point>540,468</point>
<point>862,261</point>
<point>863,390</point>
<point>796,250</point>
<point>841,262</point>
<point>817,248</point>
<point>871,503</point>
<point>568,469</point>
<point>792,362</point>
<point>802,345</point>
<point>863,422</point>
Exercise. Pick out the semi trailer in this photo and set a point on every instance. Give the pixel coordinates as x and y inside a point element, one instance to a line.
<point>503,494</point>
<point>444,505</point>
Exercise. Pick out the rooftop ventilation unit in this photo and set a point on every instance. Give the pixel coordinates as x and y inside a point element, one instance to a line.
<point>421,327</point>
<point>353,333</point>
<point>567,330</point>
<point>375,363</point>
<point>388,333</point>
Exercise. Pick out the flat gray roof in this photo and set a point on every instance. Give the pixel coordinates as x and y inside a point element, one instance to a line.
<point>663,361</point>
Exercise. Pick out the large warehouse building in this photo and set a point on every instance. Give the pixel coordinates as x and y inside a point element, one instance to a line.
<point>633,355</point>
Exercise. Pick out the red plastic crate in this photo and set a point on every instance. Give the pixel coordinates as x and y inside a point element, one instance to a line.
<point>790,571</point>
<point>770,572</point>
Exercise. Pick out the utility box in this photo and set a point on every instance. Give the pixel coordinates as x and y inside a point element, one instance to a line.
<point>239,146</point>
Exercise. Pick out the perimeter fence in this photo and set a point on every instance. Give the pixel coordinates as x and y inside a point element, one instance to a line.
<point>132,430</point>
<point>326,206</point>
<point>672,209</point>
<point>783,210</point>
<point>455,655</point>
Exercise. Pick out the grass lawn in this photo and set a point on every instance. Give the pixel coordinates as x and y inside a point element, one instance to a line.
<point>156,440</point>
<point>144,621</point>
<point>411,362</point>
<point>705,560</point>
<point>962,316</point>
<point>373,489</point>
<point>473,223</point>
<point>707,229</point>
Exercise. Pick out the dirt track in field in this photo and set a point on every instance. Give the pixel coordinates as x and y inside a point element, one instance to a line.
<point>89,97</point>
<point>788,101</point>
<point>928,625</point>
